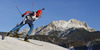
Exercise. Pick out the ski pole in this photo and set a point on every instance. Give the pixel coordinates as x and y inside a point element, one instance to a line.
<point>32,5</point>
<point>18,9</point>
<point>43,9</point>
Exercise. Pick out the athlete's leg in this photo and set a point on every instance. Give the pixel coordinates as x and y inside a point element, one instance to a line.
<point>17,27</point>
<point>30,31</point>
<point>31,25</point>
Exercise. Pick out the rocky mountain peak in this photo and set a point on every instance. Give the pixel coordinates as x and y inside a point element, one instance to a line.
<point>73,23</point>
<point>77,22</point>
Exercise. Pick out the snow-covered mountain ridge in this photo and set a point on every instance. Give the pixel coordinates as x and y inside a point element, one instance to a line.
<point>73,23</point>
<point>62,26</point>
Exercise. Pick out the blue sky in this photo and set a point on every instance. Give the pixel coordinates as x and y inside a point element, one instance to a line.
<point>83,10</point>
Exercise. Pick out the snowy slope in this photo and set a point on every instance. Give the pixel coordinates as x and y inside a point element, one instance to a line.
<point>15,44</point>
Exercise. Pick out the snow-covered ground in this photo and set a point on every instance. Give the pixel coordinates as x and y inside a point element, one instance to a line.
<point>10,43</point>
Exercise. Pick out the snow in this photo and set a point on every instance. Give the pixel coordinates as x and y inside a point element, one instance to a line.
<point>10,43</point>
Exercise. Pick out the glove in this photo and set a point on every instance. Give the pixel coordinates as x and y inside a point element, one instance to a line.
<point>23,15</point>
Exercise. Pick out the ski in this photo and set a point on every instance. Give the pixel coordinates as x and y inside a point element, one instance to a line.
<point>30,42</point>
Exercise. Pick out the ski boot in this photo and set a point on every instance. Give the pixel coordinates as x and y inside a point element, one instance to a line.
<point>26,38</point>
<point>9,33</point>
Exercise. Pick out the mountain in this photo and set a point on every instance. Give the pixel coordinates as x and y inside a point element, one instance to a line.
<point>62,28</point>
<point>62,32</point>
<point>11,43</point>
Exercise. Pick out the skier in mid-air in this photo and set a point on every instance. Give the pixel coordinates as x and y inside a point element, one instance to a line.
<point>32,16</point>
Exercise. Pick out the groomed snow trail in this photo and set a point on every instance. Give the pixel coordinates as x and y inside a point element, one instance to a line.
<point>10,43</point>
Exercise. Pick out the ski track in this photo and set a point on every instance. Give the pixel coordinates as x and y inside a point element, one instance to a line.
<point>10,43</point>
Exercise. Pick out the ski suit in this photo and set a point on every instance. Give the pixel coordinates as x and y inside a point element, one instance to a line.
<point>28,20</point>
